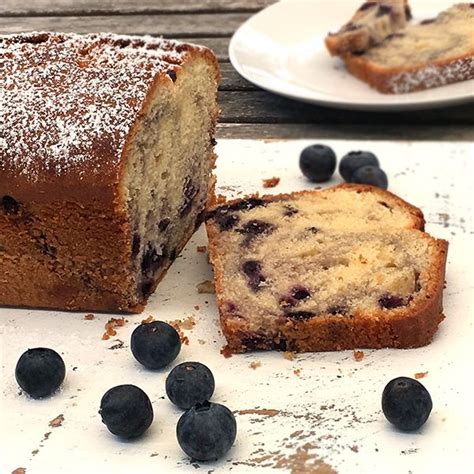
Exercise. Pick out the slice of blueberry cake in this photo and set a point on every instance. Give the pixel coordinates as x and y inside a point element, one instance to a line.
<point>433,53</point>
<point>342,268</point>
<point>370,25</point>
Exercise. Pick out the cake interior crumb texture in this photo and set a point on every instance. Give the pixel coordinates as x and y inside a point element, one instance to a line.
<point>449,35</point>
<point>106,153</point>
<point>324,271</point>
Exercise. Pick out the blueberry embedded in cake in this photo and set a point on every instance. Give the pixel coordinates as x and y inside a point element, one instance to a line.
<point>349,267</point>
<point>107,149</point>
<point>370,25</point>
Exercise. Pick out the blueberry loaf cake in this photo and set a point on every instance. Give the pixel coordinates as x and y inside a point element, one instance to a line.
<point>432,53</point>
<point>106,149</point>
<point>370,25</point>
<point>342,268</point>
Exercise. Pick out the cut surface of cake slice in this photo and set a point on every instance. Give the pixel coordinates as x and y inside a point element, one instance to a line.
<point>430,54</point>
<point>106,152</point>
<point>370,25</point>
<point>343,268</point>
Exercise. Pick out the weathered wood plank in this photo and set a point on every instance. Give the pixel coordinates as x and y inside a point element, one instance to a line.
<point>263,107</point>
<point>168,25</point>
<point>368,131</point>
<point>121,7</point>
<point>232,81</point>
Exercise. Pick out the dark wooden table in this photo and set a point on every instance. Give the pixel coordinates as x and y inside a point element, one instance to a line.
<point>247,111</point>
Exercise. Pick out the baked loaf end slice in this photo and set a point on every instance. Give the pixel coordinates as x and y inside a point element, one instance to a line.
<point>106,151</point>
<point>431,54</point>
<point>370,25</point>
<point>348,267</point>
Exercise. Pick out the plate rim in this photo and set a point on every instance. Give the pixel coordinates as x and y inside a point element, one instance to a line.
<point>338,104</point>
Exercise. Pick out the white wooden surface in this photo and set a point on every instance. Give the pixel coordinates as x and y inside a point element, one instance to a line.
<point>327,419</point>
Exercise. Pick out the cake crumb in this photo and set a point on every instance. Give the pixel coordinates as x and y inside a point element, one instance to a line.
<point>89,317</point>
<point>19,470</point>
<point>148,320</point>
<point>255,364</point>
<point>355,448</point>
<point>226,352</point>
<point>271,182</point>
<point>56,422</point>
<point>420,375</point>
<point>288,355</point>
<point>111,325</point>
<point>358,355</point>
<point>206,286</point>
<point>197,307</point>
<point>180,324</point>
<point>201,249</point>
<point>187,323</point>
<point>297,372</point>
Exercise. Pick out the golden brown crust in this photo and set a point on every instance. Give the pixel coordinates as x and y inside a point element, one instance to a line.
<point>393,80</point>
<point>406,328</point>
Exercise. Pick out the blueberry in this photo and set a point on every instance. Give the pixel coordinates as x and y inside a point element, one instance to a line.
<point>155,345</point>
<point>406,403</point>
<point>253,271</point>
<point>390,301</point>
<point>11,206</point>
<point>317,163</point>
<point>355,160</point>
<point>206,431</point>
<point>189,383</point>
<point>370,175</point>
<point>126,411</point>
<point>40,372</point>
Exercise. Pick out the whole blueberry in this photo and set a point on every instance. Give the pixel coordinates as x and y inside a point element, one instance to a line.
<point>126,411</point>
<point>355,160</point>
<point>206,431</point>
<point>189,383</point>
<point>406,403</point>
<point>40,372</point>
<point>317,163</point>
<point>155,345</point>
<point>370,175</point>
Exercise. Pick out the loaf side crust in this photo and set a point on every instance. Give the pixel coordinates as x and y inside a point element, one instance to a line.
<point>400,80</point>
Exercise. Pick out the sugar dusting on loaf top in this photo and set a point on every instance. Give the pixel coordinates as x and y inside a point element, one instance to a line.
<point>68,101</point>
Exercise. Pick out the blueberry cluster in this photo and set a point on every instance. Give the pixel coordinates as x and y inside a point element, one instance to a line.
<point>206,430</point>
<point>318,163</point>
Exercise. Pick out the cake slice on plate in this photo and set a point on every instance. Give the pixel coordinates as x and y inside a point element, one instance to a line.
<point>433,53</point>
<point>106,152</point>
<point>348,267</point>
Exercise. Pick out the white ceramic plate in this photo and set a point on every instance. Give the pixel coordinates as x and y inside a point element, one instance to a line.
<point>281,49</point>
<point>326,414</point>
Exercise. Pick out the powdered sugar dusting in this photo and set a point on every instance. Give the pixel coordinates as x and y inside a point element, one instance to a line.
<point>433,76</point>
<point>68,102</point>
